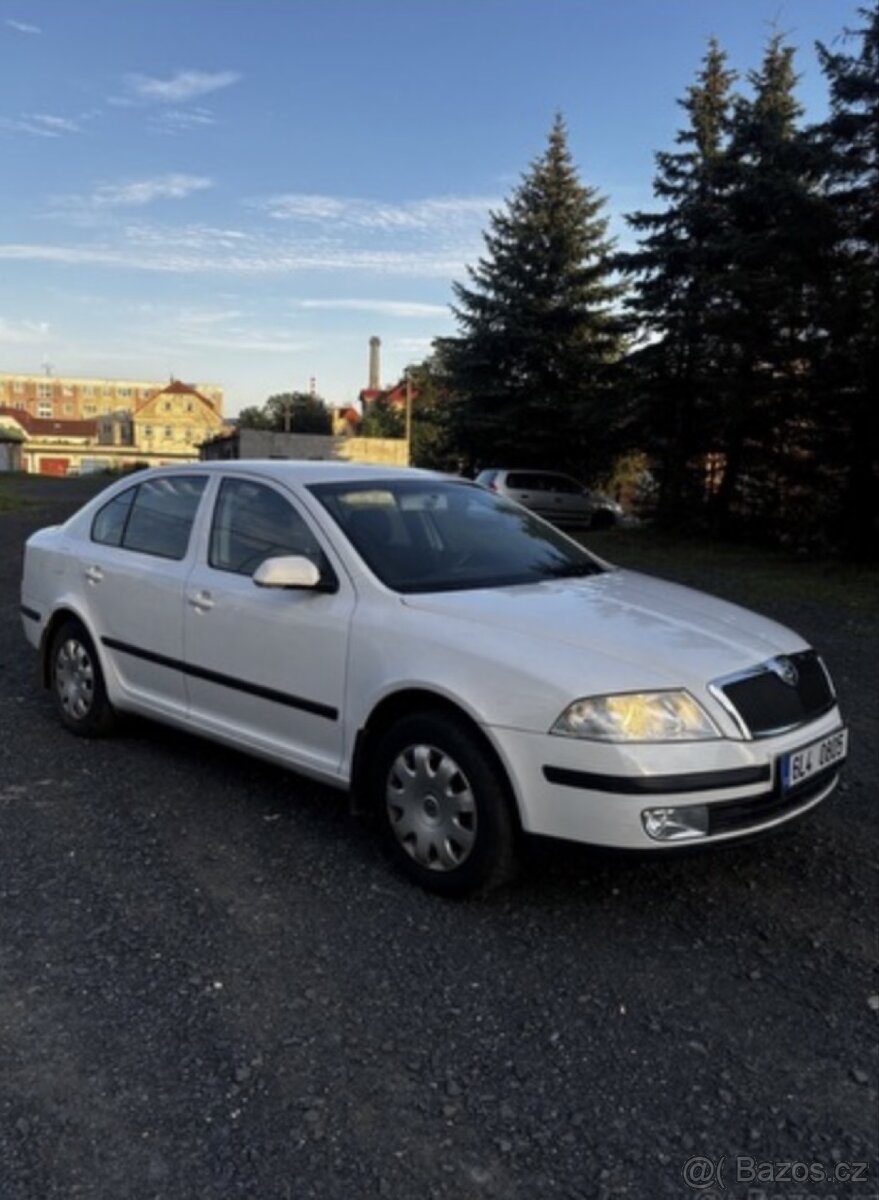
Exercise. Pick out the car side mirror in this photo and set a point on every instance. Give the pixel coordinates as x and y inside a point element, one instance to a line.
<point>288,571</point>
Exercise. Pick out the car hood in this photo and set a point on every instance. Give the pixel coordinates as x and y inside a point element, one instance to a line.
<point>670,632</point>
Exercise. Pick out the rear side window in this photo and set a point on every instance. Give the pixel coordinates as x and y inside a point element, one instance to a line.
<point>153,518</point>
<point>563,484</point>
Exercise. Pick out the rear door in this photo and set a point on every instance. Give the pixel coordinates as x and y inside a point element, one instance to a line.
<point>567,502</point>
<point>134,572</point>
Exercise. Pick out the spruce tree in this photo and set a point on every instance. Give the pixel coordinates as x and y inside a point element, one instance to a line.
<point>777,224</point>
<point>849,375</point>
<point>531,368</point>
<point>679,270</point>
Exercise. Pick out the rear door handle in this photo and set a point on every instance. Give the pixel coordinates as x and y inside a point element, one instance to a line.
<point>201,601</point>
<point>94,574</point>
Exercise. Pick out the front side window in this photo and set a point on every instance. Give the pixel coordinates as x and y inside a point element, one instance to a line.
<point>155,517</point>
<point>563,484</point>
<point>253,522</point>
<point>436,535</point>
<point>521,481</point>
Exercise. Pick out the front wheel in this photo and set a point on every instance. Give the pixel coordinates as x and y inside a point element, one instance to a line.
<point>443,806</point>
<point>78,683</point>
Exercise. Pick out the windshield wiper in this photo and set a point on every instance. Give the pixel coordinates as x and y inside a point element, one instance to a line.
<point>570,570</point>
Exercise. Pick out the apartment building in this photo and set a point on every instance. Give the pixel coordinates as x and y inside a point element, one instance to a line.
<point>72,398</point>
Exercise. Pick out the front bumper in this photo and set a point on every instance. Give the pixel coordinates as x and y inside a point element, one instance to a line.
<point>596,793</point>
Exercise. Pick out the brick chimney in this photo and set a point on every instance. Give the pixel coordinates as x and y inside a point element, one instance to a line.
<point>375,363</point>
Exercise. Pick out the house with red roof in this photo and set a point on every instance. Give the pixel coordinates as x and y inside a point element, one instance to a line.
<point>175,421</point>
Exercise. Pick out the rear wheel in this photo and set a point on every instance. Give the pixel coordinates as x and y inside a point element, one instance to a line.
<point>78,683</point>
<point>443,806</point>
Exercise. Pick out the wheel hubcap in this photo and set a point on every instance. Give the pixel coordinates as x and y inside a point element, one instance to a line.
<point>74,678</point>
<point>431,807</point>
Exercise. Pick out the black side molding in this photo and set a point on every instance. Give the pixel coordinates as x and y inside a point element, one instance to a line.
<point>30,613</point>
<point>657,785</point>
<point>238,685</point>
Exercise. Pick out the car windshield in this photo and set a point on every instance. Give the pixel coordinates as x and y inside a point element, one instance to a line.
<point>428,535</point>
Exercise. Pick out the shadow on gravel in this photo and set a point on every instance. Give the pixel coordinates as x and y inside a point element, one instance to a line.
<point>553,873</point>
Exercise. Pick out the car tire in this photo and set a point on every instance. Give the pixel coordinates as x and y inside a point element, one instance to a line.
<point>602,519</point>
<point>77,682</point>
<point>443,806</point>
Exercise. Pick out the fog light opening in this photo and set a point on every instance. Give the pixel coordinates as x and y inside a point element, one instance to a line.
<point>675,824</point>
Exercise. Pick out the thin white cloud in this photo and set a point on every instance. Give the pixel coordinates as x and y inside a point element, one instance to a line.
<point>215,329</point>
<point>428,215</point>
<point>179,88</point>
<point>383,308</point>
<point>17,333</point>
<point>253,342</point>
<point>44,125</point>
<point>134,193</point>
<point>174,121</point>
<point>144,191</point>
<point>59,124</point>
<point>425,239</point>
<point>412,345</point>
<point>23,26</point>
<point>199,318</point>
<point>203,252</point>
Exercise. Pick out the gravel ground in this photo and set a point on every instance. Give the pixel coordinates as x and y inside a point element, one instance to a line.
<point>211,985</point>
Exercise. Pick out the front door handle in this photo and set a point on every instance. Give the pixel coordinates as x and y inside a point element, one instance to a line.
<point>201,601</point>
<point>94,574</point>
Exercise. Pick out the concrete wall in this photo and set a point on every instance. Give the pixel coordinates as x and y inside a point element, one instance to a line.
<point>10,456</point>
<point>262,443</point>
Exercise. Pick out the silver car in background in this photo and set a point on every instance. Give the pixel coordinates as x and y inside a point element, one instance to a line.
<point>554,496</point>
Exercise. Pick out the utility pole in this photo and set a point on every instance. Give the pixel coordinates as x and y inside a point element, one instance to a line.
<point>408,418</point>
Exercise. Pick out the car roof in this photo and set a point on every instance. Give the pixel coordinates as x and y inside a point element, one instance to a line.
<point>293,470</point>
<point>532,471</point>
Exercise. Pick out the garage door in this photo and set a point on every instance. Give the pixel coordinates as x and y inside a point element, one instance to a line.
<point>54,466</point>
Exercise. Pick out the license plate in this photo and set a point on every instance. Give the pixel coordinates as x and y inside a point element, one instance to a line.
<point>802,764</point>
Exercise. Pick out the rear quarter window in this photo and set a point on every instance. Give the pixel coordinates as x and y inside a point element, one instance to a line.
<point>109,524</point>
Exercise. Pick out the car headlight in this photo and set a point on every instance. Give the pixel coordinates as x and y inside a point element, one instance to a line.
<point>637,717</point>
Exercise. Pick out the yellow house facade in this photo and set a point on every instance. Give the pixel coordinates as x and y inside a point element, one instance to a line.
<point>175,421</point>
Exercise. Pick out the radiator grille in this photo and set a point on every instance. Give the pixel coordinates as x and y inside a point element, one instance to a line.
<point>766,703</point>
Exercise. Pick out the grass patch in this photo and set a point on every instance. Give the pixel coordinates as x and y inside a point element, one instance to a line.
<point>746,574</point>
<point>11,499</point>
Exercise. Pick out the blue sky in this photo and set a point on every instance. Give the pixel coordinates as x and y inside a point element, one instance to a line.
<point>243,191</point>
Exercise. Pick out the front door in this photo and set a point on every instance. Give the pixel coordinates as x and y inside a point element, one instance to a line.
<point>266,666</point>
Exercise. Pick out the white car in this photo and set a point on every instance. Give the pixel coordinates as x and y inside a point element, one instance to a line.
<point>467,670</point>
